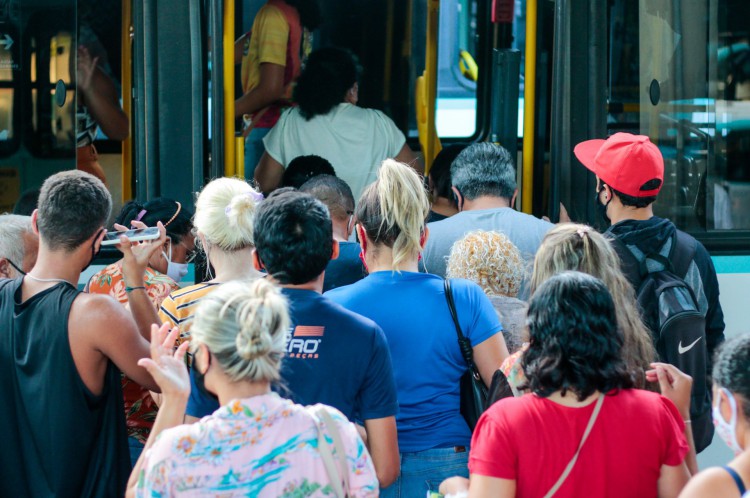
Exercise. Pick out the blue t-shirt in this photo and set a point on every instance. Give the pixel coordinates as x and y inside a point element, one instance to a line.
<point>427,362</point>
<point>334,357</point>
<point>346,269</point>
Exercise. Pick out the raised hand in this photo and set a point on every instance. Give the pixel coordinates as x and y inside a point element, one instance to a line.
<point>675,385</point>
<point>167,365</point>
<point>85,69</point>
<point>137,254</point>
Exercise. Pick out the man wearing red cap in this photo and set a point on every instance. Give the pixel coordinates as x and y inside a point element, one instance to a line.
<point>630,172</point>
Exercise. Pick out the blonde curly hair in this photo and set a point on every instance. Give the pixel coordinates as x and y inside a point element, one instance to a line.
<point>490,260</point>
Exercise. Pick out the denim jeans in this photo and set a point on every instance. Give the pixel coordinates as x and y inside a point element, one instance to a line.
<point>423,471</point>
<point>254,150</point>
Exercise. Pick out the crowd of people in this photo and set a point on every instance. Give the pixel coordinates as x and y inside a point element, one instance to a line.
<point>322,352</point>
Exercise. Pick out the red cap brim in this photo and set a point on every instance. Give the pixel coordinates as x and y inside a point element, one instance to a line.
<point>586,153</point>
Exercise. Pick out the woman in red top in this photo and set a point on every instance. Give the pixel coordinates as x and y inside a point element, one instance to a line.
<point>577,378</point>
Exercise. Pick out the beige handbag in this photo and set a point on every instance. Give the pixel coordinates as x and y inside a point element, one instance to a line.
<point>334,458</point>
<point>573,460</point>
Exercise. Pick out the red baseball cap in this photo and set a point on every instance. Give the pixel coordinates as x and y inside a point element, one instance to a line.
<point>625,162</point>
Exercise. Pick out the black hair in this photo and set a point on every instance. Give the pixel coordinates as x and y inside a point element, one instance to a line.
<point>27,203</point>
<point>328,74</point>
<point>440,171</point>
<point>73,207</point>
<point>293,236</point>
<point>159,209</point>
<point>333,192</point>
<point>302,168</point>
<point>638,202</point>
<point>732,369</point>
<point>575,344</point>
<point>309,13</point>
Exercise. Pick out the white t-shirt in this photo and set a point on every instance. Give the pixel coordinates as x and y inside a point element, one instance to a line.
<point>354,140</point>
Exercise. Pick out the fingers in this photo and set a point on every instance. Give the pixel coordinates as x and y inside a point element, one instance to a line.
<point>120,228</point>
<point>138,224</point>
<point>182,350</point>
<point>171,337</point>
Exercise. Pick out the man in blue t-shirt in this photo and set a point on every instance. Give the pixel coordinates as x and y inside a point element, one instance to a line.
<point>334,356</point>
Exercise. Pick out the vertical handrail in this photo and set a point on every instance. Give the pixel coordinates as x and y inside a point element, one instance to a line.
<point>529,101</point>
<point>151,103</point>
<point>127,98</point>
<point>197,101</point>
<point>427,89</point>
<point>218,144</point>
<point>231,166</point>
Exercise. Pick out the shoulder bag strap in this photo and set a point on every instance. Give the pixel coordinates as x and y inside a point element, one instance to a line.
<point>463,342</point>
<point>682,253</point>
<point>573,460</point>
<point>338,445</point>
<point>326,455</point>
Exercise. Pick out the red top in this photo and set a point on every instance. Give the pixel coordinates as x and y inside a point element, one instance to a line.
<point>531,440</point>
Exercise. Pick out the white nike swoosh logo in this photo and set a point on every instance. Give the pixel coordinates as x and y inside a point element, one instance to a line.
<point>684,350</point>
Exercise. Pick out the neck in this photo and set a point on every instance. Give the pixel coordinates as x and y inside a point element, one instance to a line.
<point>570,399</point>
<point>485,202</point>
<point>618,213</point>
<point>228,391</point>
<point>314,285</point>
<point>235,265</point>
<point>340,232</point>
<point>444,206</point>
<point>380,258</point>
<point>57,265</point>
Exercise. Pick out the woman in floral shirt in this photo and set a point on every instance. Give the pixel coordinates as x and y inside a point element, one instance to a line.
<point>256,444</point>
<point>165,269</point>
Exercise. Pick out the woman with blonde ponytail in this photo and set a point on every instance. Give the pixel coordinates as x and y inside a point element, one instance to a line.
<point>412,310</point>
<point>256,443</point>
<point>224,214</point>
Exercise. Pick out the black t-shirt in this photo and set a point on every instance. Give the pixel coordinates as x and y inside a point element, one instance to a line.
<point>346,269</point>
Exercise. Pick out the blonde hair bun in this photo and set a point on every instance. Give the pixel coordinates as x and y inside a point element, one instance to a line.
<point>225,212</point>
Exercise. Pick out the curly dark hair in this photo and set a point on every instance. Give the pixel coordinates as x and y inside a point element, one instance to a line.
<point>574,340</point>
<point>732,369</point>
<point>159,209</point>
<point>328,74</point>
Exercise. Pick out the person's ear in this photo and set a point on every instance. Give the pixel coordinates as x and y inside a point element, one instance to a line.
<point>6,270</point>
<point>99,238</point>
<point>257,263</point>
<point>513,199</point>
<point>458,198</point>
<point>335,250</point>
<point>361,235</point>
<point>34,219</point>
<point>423,238</point>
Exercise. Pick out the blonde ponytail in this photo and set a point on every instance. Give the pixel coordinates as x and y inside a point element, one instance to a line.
<point>245,326</point>
<point>225,212</point>
<point>393,210</point>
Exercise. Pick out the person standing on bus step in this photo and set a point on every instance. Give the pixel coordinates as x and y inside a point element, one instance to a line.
<point>63,350</point>
<point>412,309</point>
<point>630,172</point>
<point>164,271</point>
<point>338,198</point>
<point>270,58</point>
<point>333,356</point>
<point>327,122</point>
<point>484,183</point>
<point>18,245</point>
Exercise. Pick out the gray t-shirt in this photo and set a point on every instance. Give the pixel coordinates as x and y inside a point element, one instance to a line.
<point>512,314</point>
<point>525,231</point>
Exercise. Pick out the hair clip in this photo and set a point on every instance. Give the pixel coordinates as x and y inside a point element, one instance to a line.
<point>583,231</point>
<point>254,195</point>
<point>141,214</point>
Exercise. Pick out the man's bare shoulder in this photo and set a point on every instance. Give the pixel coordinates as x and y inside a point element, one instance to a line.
<point>96,311</point>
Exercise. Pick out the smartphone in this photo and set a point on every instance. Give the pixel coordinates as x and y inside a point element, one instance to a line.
<point>113,238</point>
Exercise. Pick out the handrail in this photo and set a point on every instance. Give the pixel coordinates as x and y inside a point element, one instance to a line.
<point>529,107</point>
<point>231,166</point>
<point>197,98</point>
<point>426,90</point>
<point>127,98</point>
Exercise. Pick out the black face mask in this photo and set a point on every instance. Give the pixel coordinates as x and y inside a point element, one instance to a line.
<point>602,208</point>
<point>20,271</point>
<point>94,251</point>
<point>200,380</point>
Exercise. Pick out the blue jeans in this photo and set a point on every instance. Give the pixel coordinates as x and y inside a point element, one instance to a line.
<point>254,150</point>
<point>423,471</point>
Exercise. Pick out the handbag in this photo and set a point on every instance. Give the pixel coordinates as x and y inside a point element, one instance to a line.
<point>571,464</point>
<point>334,461</point>
<point>473,390</point>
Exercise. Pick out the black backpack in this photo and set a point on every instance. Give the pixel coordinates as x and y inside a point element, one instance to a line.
<point>669,309</point>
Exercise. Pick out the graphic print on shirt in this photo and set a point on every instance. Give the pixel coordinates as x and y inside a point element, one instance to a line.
<point>304,341</point>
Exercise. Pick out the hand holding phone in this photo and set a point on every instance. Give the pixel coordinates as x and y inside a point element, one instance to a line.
<point>136,254</point>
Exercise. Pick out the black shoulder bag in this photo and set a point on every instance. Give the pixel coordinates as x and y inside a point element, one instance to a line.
<point>473,391</point>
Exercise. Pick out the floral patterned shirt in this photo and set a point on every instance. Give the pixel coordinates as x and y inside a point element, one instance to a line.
<point>263,446</point>
<point>140,408</point>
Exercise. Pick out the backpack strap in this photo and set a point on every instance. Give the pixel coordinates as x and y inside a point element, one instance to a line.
<point>629,264</point>
<point>682,253</point>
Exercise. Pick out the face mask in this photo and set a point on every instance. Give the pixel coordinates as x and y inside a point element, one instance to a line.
<point>94,252</point>
<point>200,379</point>
<point>727,431</point>
<point>175,271</point>
<point>20,271</point>
<point>602,208</point>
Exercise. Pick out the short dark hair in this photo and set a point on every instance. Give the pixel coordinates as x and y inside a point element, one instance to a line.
<point>73,206</point>
<point>575,344</point>
<point>302,168</point>
<point>440,171</point>
<point>159,209</point>
<point>484,169</point>
<point>732,369</point>
<point>328,74</point>
<point>333,192</point>
<point>638,202</point>
<point>293,236</point>
<point>27,203</point>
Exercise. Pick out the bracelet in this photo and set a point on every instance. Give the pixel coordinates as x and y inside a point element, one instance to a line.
<point>131,289</point>
<point>688,421</point>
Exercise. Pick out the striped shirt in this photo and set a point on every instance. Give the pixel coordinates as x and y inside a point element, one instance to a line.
<point>179,307</point>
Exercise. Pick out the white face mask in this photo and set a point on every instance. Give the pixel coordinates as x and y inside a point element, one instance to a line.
<point>727,431</point>
<point>175,271</point>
